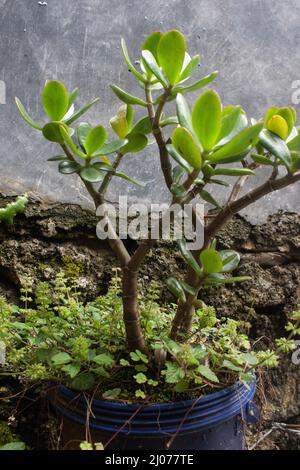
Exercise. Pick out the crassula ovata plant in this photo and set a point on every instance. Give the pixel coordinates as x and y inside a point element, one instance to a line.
<point>197,148</point>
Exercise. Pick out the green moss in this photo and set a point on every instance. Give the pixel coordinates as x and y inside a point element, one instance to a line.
<point>72,267</point>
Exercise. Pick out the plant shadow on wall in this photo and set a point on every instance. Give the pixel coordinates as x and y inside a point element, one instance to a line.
<point>182,346</point>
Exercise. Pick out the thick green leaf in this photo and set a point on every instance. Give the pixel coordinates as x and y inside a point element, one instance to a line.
<point>110,147</point>
<point>220,279</point>
<point>199,182</point>
<point>234,171</point>
<point>136,143</point>
<point>69,113</point>
<point>270,112</point>
<point>278,126</point>
<point>231,260</point>
<point>206,372</point>
<point>295,144</point>
<point>177,174</point>
<point>131,67</point>
<point>206,118</point>
<point>67,167</point>
<point>206,196</point>
<point>211,261</point>
<point>151,43</point>
<point>95,139</point>
<point>276,146</point>
<point>142,126</point>
<point>208,170</point>
<point>229,159</point>
<point>25,115</point>
<point>57,158</point>
<point>91,174</point>
<point>122,175</point>
<point>104,167</point>
<point>73,96</point>
<point>196,85</point>
<point>126,97</point>
<point>295,161</point>
<point>52,132</point>
<point>129,115</point>
<point>292,135</point>
<point>187,288</point>
<point>170,121</point>
<point>262,160</point>
<point>288,114</point>
<point>55,100</point>
<point>119,122</point>
<point>237,145</point>
<point>170,52</point>
<point>83,381</point>
<point>188,71</point>
<point>81,111</point>
<point>183,113</point>
<point>65,133</point>
<point>152,64</point>
<point>178,158</point>
<point>233,122</point>
<point>82,131</point>
<point>188,257</point>
<point>185,144</point>
<point>219,182</point>
<point>176,288</point>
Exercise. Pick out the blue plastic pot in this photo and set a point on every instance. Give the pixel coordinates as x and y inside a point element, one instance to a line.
<point>214,421</point>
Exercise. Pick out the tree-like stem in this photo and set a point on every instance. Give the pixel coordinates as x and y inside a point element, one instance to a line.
<point>108,177</point>
<point>158,135</point>
<point>134,334</point>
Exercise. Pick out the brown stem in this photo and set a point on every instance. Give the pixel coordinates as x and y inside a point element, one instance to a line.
<point>185,311</point>
<point>235,206</point>
<point>134,334</point>
<point>157,132</point>
<point>108,177</point>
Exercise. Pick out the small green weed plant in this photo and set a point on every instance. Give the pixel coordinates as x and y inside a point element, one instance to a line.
<point>54,337</point>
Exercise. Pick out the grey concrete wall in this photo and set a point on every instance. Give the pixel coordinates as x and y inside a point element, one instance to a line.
<point>253,43</point>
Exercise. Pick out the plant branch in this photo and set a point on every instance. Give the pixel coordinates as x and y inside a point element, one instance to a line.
<point>240,183</point>
<point>108,177</point>
<point>158,135</point>
<point>233,207</point>
<point>114,241</point>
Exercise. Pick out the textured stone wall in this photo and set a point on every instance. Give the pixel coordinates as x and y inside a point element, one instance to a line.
<point>253,43</point>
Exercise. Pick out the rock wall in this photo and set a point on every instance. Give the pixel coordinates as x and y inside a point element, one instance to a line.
<point>253,44</point>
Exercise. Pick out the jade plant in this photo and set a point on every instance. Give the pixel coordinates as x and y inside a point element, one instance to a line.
<point>199,148</point>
